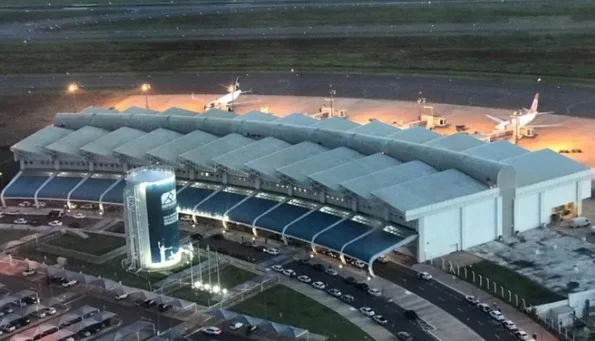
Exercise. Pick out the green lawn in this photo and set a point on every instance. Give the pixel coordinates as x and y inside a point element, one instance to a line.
<point>362,15</point>
<point>96,244</point>
<point>495,57</point>
<point>111,269</point>
<point>533,292</point>
<point>283,305</point>
<point>20,15</point>
<point>7,235</point>
<point>229,277</point>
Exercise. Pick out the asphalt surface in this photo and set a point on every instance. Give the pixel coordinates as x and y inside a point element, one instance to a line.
<point>564,100</point>
<point>252,254</point>
<point>392,312</point>
<point>447,299</point>
<point>200,336</point>
<point>44,220</point>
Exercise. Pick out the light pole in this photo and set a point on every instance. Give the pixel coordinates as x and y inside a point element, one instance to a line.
<point>332,92</point>
<point>73,89</point>
<point>146,87</point>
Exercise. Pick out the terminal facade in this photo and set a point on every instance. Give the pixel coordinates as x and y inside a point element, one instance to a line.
<point>360,190</point>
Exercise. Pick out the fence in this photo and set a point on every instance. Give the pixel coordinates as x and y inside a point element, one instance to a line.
<point>493,288</point>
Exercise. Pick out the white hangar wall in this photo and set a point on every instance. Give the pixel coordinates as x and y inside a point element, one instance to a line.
<point>459,228</point>
<point>534,205</point>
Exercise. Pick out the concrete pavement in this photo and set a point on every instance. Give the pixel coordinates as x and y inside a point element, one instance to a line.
<point>520,319</point>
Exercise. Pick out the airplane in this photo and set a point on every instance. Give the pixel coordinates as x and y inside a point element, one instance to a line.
<point>226,102</point>
<point>524,119</point>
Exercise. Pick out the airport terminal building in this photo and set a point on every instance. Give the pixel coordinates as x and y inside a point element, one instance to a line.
<point>361,190</point>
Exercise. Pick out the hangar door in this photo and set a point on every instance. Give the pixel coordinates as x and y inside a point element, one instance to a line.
<point>526,212</point>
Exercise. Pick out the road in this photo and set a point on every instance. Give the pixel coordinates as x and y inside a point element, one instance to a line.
<point>199,336</point>
<point>564,100</point>
<point>43,220</point>
<point>392,312</point>
<point>445,298</point>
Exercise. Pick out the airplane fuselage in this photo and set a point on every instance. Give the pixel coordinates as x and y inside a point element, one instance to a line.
<point>225,101</point>
<point>522,120</point>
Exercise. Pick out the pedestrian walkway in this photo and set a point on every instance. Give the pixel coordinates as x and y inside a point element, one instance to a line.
<point>347,311</point>
<point>520,319</point>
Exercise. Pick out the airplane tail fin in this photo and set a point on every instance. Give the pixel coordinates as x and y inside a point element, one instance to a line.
<point>534,105</point>
<point>237,84</point>
<point>495,119</point>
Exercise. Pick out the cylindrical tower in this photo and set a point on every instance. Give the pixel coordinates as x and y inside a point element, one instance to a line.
<point>151,218</point>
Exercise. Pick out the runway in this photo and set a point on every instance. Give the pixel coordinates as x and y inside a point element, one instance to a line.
<point>564,100</point>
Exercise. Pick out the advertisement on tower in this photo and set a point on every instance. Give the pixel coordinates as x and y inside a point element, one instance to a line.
<point>162,216</point>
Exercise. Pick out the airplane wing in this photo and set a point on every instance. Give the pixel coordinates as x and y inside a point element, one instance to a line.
<point>543,126</point>
<point>240,103</point>
<point>546,113</point>
<point>495,119</point>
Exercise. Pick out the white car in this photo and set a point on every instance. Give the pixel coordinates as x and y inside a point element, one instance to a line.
<point>271,251</point>
<point>79,216</point>
<point>120,297</point>
<point>68,284</point>
<point>277,268</point>
<point>521,335</point>
<point>185,217</point>
<point>508,324</point>
<point>289,272</point>
<point>319,285</point>
<point>484,307</point>
<point>382,259</point>
<point>360,264</point>
<point>211,330</point>
<point>334,292</point>
<point>496,315</point>
<point>304,279</point>
<point>20,221</point>
<point>51,311</point>
<point>367,311</point>
<point>29,272</point>
<point>41,204</point>
<point>471,299</point>
<point>236,326</point>
<point>88,207</point>
<point>425,276</point>
<point>374,292</point>
<point>24,204</point>
<point>331,272</point>
<point>55,223</point>
<point>380,319</point>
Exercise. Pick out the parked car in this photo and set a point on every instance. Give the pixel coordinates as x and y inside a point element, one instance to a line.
<point>508,324</point>
<point>304,279</point>
<point>50,310</point>
<point>484,307</point>
<point>149,303</point>
<point>87,207</point>
<point>496,315</point>
<point>410,315</point>
<point>350,280</point>
<point>277,268</point>
<point>380,319</point>
<point>367,311</point>
<point>472,299</point>
<point>334,292</point>
<point>289,272</point>
<point>347,298</point>
<point>360,264</point>
<point>55,223</point>
<point>272,251</point>
<point>164,307</point>
<point>41,204</point>
<point>331,272</point>
<point>319,285</point>
<point>236,326</point>
<point>382,259</point>
<point>362,286</point>
<point>196,236</point>
<point>120,297</point>
<point>79,216</point>
<point>68,284</point>
<point>29,272</point>
<point>251,330</point>
<point>404,336</point>
<point>35,223</point>
<point>521,335</point>
<point>20,221</point>
<point>24,204</point>
<point>374,292</point>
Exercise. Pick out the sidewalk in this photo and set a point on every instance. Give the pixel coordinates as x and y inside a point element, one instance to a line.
<point>520,319</point>
<point>438,322</point>
<point>348,312</point>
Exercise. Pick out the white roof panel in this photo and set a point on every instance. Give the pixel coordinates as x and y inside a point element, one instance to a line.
<point>542,165</point>
<point>70,145</point>
<point>497,150</point>
<point>456,142</point>
<point>35,144</point>
<point>299,171</point>
<point>375,128</point>
<point>203,156</point>
<point>296,119</point>
<point>336,123</point>
<point>138,148</point>
<point>105,145</point>
<point>235,159</point>
<point>174,111</point>
<point>266,166</point>
<point>365,185</point>
<point>415,135</point>
<point>169,152</point>
<point>333,177</point>
<point>428,190</point>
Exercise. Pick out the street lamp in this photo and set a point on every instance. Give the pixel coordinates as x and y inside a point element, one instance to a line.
<point>73,89</point>
<point>146,87</point>
<point>332,92</point>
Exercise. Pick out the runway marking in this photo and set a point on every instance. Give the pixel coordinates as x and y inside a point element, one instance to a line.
<point>461,310</point>
<point>442,299</point>
<point>496,335</point>
<point>481,324</point>
<point>420,288</point>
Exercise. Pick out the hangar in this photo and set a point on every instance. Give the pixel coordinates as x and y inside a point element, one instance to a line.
<point>361,190</point>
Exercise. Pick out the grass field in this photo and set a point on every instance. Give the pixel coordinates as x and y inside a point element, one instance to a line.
<point>533,293</point>
<point>96,244</point>
<point>361,15</point>
<point>111,269</point>
<point>284,305</point>
<point>500,56</point>
<point>7,235</point>
<point>229,277</point>
<point>14,16</point>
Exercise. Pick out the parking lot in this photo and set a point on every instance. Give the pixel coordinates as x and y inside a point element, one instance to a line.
<point>249,252</point>
<point>395,315</point>
<point>10,216</point>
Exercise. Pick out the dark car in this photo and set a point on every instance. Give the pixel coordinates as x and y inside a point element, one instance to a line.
<point>30,300</point>
<point>404,336</point>
<point>165,307</point>
<point>35,223</point>
<point>149,303</point>
<point>350,280</point>
<point>410,315</point>
<point>196,236</point>
<point>362,286</point>
<point>318,267</point>
<point>347,298</point>
<point>251,330</point>
<point>139,302</point>
<point>247,244</point>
